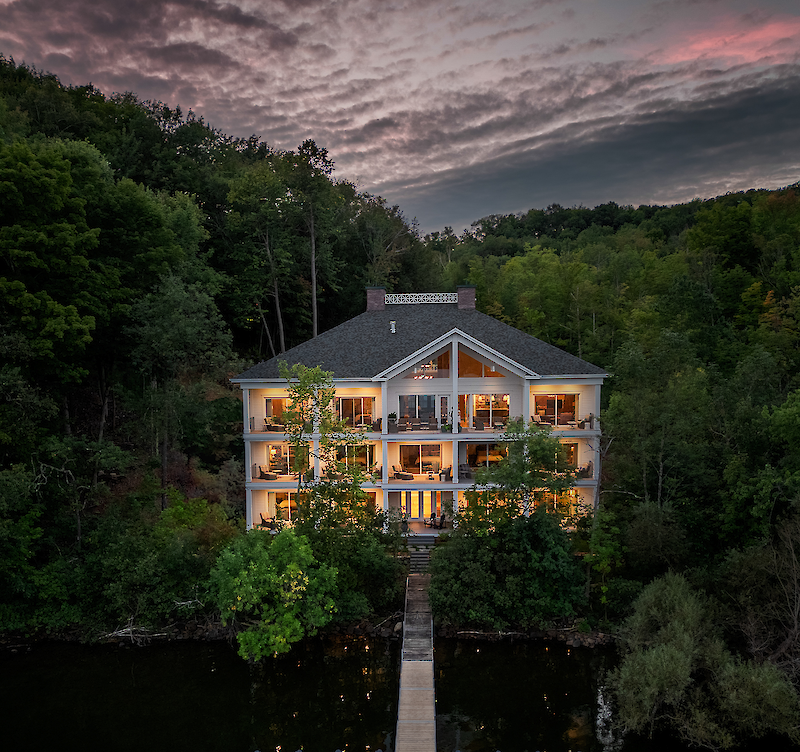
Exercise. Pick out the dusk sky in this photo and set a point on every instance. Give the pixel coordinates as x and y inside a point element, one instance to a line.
<point>456,109</point>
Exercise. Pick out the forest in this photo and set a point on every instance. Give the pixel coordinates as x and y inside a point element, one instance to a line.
<point>146,257</point>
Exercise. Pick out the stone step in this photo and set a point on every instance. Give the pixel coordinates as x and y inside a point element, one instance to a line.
<point>419,561</point>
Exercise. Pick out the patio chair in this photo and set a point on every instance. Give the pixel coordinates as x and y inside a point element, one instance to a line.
<point>479,424</point>
<point>431,521</point>
<point>401,474</point>
<point>441,524</point>
<point>264,474</point>
<point>266,524</point>
<point>464,472</point>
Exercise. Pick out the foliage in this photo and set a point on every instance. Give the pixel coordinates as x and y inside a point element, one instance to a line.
<point>275,589</point>
<point>368,581</point>
<point>761,587</point>
<point>524,574</point>
<point>19,531</point>
<point>677,671</point>
<point>605,550</point>
<point>532,472</point>
<point>143,252</point>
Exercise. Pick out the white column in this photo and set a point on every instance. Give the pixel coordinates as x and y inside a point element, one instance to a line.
<point>248,501</point>
<point>454,382</point>
<point>526,401</point>
<point>246,409</point>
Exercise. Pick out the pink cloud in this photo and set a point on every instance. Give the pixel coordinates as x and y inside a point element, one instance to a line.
<point>778,40</point>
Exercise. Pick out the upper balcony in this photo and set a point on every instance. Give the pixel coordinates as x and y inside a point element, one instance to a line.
<point>566,421</point>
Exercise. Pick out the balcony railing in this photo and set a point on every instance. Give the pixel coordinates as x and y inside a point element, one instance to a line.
<point>566,421</point>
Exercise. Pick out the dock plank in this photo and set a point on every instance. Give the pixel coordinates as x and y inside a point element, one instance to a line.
<point>416,710</point>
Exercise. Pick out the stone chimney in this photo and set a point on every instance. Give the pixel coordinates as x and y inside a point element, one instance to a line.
<point>466,297</point>
<point>376,298</point>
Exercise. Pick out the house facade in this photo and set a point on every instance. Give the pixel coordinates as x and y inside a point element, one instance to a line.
<point>429,384</point>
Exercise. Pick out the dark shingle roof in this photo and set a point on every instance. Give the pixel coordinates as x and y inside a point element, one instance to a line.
<point>364,346</point>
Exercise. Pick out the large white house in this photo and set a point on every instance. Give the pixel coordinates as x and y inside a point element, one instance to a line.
<point>430,383</point>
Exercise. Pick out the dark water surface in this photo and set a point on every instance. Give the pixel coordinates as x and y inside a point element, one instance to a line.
<point>326,695</point>
<point>518,696</point>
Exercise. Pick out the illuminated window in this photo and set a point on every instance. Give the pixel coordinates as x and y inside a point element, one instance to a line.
<point>437,367</point>
<point>356,411</point>
<point>360,455</point>
<point>470,367</point>
<point>556,409</point>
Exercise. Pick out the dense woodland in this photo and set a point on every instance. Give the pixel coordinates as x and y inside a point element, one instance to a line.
<point>145,257</point>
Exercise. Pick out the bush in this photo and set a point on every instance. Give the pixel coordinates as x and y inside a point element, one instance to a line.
<point>677,671</point>
<point>522,574</point>
<point>274,588</point>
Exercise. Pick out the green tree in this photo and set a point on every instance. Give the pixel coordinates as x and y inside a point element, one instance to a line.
<point>533,471</point>
<point>274,590</point>
<point>45,243</point>
<point>177,333</point>
<point>677,671</point>
<point>523,574</point>
<point>309,180</point>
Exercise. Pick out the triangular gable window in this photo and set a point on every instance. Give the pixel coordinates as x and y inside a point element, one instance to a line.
<point>437,366</point>
<point>471,367</point>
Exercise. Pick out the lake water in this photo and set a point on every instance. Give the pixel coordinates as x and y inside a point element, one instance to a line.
<point>326,695</point>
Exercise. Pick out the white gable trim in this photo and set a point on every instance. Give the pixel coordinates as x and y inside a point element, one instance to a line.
<point>460,338</point>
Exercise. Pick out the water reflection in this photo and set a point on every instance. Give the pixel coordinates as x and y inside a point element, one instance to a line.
<point>523,696</point>
<point>325,695</point>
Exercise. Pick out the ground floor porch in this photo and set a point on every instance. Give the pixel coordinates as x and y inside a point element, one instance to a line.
<point>416,503</point>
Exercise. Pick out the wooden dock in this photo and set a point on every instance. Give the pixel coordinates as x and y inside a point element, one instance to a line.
<point>416,711</point>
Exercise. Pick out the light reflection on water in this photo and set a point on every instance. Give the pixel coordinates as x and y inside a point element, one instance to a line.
<point>324,695</point>
<point>517,696</point>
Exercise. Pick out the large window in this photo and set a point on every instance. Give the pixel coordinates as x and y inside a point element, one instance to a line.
<point>360,455</point>
<point>491,410</point>
<point>470,367</point>
<point>483,411</point>
<point>356,411</point>
<point>484,455</point>
<point>420,406</point>
<point>428,410</point>
<point>420,458</point>
<point>436,367</point>
<point>278,458</point>
<point>285,505</point>
<point>556,409</point>
<point>275,408</point>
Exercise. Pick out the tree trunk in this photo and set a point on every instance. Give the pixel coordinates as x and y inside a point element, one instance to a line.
<point>164,451</point>
<point>65,416</point>
<point>104,391</point>
<point>266,329</point>
<point>281,336</point>
<point>314,317</point>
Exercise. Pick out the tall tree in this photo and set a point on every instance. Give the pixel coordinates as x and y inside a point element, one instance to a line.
<point>311,183</point>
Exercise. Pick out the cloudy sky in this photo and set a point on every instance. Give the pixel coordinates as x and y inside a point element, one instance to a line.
<point>456,109</point>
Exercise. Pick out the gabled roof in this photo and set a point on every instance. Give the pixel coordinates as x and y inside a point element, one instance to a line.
<point>364,346</point>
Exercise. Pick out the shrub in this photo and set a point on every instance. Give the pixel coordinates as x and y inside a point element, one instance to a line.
<point>523,573</point>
